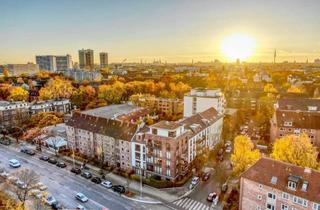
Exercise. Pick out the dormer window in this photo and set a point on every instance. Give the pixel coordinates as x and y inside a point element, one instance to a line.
<point>312,108</point>
<point>287,123</point>
<point>292,185</point>
<point>305,186</point>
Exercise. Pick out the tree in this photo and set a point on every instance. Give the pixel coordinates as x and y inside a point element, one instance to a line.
<point>18,94</point>
<point>56,88</point>
<point>6,72</point>
<point>44,119</point>
<point>7,203</point>
<point>297,150</point>
<point>4,91</point>
<point>244,154</point>
<point>268,88</point>
<point>28,179</point>
<point>83,96</point>
<point>95,103</point>
<point>295,89</point>
<point>112,93</point>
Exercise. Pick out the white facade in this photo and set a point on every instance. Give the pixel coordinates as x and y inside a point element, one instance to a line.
<point>54,63</point>
<point>200,100</point>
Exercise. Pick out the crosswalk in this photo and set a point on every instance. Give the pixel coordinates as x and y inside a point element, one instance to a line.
<point>189,204</point>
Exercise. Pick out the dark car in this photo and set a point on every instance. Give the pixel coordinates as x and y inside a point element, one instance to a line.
<point>119,189</point>
<point>30,152</point>
<point>206,176</point>
<point>61,165</point>
<point>24,150</point>
<point>96,180</point>
<point>86,175</point>
<point>56,206</point>
<point>76,170</point>
<point>52,161</point>
<point>44,158</point>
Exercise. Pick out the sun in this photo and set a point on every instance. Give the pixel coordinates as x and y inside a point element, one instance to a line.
<point>238,46</point>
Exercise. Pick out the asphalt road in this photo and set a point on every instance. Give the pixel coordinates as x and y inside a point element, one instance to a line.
<point>63,184</point>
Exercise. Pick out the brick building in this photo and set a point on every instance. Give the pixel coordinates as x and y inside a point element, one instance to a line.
<point>296,116</point>
<point>273,185</point>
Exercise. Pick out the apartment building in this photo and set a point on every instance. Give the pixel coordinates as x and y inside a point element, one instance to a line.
<point>86,59</point>
<point>296,116</point>
<point>199,100</point>
<point>173,106</point>
<point>168,148</point>
<point>104,59</point>
<point>54,63</point>
<point>12,112</point>
<point>62,106</point>
<point>19,69</point>
<point>276,185</point>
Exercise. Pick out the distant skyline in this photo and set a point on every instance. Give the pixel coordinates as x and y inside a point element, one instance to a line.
<point>170,30</point>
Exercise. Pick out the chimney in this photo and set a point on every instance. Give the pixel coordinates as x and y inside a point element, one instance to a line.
<point>307,170</point>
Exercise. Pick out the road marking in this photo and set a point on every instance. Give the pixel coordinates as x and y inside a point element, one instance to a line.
<point>178,202</point>
<point>190,204</point>
<point>187,202</point>
<point>194,205</point>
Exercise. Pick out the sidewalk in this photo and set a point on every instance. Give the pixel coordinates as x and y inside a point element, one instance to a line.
<point>149,194</point>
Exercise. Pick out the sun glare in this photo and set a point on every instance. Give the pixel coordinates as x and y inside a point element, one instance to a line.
<point>238,46</point>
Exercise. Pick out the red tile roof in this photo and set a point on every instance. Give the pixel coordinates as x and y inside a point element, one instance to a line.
<point>265,168</point>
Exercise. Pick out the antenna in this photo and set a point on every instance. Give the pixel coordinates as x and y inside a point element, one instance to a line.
<point>274,56</point>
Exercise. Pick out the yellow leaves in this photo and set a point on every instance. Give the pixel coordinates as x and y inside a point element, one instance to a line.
<point>297,150</point>
<point>268,88</point>
<point>4,91</point>
<point>244,154</point>
<point>18,94</point>
<point>44,119</point>
<point>112,93</point>
<point>295,89</point>
<point>57,88</point>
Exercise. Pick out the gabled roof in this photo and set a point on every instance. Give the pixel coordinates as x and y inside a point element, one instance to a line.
<point>108,127</point>
<point>304,120</point>
<point>265,169</point>
<point>298,103</point>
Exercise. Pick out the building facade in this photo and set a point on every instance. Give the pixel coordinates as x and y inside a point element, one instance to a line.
<point>19,69</point>
<point>294,116</point>
<point>273,185</point>
<point>199,100</point>
<point>104,62</point>
<point>62,106</point>
<point>54,63</point>
<point>86,59</point>
<point>80,75</point>
<point>13,112</point>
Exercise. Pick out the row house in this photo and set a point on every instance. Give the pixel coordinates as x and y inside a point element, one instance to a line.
<point>270,185</point>
<point>99,137</point>
<point>296,116</point>
<point>62,106</point>
<point>12,112</point>
<point>167,149</point>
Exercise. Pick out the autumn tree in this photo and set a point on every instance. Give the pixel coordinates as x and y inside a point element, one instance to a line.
<point>28,179</point>
<point>297,150</point>
<point>83,96</point>
<point>44,119</point>
<point>18,94</point>
<point>4,91</point>
<point>6,72</point>
<point>244,154</point>
<point>112,93</point>
<point>95,103</point>
<point>56,88</point>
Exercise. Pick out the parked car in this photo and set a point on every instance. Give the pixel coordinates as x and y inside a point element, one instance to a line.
<point>76,170</point>
<point>41,186</point>
<point>21,184</point>
<point>80,207</point>
<point>206,176</point>
<point>119,189</point>
<point>52,161</point>
<point>81,197</point>
<point>107,184</point>
<point>56,206</point>
<point>44,158</point>
<point>5,142</point>
<point>35,193</point>
<point>213,197</point>
<point>50,200</point>
<point>96,180</point>
<point>14,163</point>
<point>195,180</point>
<point>86,175</point>
<point>61,165</point>
<point>227,144</point>
<point>30,152</point>
<point>4,174</point>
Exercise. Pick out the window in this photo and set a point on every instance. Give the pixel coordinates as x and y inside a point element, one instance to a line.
<point>259,197</point>
<point>271,196</point>
<point>258,208</point>
<point>300,201</point>
<point>292,185</point>
<point>270,207</point>
<point>285,196</point>
<point>284,207</point>
<point>316,206</point>
<point>168,172</point>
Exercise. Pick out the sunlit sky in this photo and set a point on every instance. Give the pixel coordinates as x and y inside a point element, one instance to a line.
<point>170,30</point>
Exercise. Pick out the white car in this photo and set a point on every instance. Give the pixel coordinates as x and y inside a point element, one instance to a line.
<point>21,184</point>
<point>14,163</point>
<point>81,197</point>
<point>106,184</point>
<point>4,174</point>
<point>36,193</point>
<point>195,180</point>
<point>80,207</point>
<point>50,200</point>
<point>228,149</point>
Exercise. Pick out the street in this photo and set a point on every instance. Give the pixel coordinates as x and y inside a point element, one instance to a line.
<point>63,184</point>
